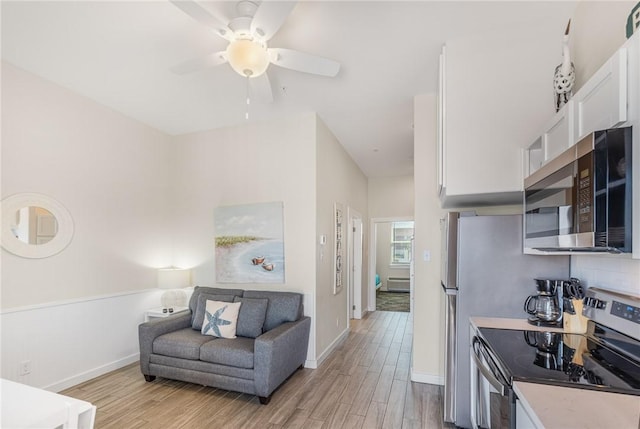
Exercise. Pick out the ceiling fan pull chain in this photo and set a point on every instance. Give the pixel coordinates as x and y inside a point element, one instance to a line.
<point>248,100</point>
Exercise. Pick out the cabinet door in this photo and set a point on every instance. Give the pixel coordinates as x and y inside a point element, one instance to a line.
<point>523,421</point>
<point>441,124</point>
<point>533,157</point>
<point>602,102</point>
<point>558,134</point>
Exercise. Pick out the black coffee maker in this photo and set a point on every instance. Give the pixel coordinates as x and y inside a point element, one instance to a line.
<point>545,308</point>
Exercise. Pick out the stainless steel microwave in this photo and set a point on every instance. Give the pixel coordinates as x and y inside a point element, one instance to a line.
<point>582,199</point>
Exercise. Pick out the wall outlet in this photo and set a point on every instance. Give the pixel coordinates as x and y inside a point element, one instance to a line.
<point>25,367</point>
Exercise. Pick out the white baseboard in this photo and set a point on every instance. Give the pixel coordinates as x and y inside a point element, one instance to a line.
<point>93,373</point>
<point>426,378</point>
<point>315,363</point>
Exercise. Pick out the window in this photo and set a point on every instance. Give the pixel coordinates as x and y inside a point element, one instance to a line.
<point>401,233</point>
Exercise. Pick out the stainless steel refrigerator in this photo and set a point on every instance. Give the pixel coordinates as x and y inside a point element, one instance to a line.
<point>483,273</point>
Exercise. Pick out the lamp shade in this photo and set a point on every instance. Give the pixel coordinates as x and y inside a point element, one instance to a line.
<point>174,278</point>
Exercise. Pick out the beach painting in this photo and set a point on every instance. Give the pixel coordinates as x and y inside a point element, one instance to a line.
<point>249,243</point>
<point>338,249</point>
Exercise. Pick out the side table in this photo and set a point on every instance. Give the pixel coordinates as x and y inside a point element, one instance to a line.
<point>157,313</point>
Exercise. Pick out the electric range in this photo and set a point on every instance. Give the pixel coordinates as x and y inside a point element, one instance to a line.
<point>605,358</point>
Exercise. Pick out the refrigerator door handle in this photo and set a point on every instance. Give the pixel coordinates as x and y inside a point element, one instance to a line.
<point>450,362</point>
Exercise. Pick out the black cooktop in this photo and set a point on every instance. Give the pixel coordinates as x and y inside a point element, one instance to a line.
<point>570,360</point>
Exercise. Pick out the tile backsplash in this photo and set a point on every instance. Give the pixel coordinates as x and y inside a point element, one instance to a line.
<point>610,272</point>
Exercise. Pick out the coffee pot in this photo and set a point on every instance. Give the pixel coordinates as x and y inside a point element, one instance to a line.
<point>545,307</point>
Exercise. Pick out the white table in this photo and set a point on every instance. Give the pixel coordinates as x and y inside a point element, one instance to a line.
<point>29,407</point>
<point>157,313</point>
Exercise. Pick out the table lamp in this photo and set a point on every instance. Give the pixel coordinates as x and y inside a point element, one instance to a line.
<point>174,279</point>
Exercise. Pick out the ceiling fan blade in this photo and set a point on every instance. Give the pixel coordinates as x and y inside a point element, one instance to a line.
<point>307,63</point>
<point>211,60</point>
<point>269,17</point>
<point>261,88</point>
<point>200,14</point>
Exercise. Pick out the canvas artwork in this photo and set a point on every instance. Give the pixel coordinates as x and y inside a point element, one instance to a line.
<point>337,262</point>
<point>249,241</point>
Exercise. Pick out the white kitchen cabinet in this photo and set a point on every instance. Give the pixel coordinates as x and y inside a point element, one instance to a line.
<point>487,113</point>
<point>601,103</point>
<point>533,157</point>
<point>440,122</point>
<point>558,133</point>
<point>523,421</point>
<point>633,120</point>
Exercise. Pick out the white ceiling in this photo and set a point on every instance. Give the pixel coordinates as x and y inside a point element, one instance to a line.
<point>119,54</point>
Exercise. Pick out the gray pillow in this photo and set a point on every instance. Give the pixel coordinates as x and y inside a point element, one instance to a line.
<point>283,307</point>
<point>198,316</point>
<point>251,316</point>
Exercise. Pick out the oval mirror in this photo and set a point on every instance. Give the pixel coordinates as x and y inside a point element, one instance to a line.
<point>35,225</point>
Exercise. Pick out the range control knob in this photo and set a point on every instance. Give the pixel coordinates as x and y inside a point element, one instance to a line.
<point>595,303</point>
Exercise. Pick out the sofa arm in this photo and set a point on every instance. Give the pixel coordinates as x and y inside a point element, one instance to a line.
<point>278,353</point>
<point>149,331</point>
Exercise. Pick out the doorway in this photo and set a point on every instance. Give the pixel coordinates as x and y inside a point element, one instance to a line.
<point>391,264</point>
<point>355,249</point>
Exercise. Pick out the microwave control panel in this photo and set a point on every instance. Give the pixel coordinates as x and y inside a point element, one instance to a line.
<point>584,194</point>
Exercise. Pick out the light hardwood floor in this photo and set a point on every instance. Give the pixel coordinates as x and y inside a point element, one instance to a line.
<point>364,383</point>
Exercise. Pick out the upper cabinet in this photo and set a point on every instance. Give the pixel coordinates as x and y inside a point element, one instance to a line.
<point>491,100</point>
<point>558,132</point>
<point>602,102</point>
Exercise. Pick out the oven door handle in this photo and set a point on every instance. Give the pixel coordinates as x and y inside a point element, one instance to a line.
<point>486,373</point>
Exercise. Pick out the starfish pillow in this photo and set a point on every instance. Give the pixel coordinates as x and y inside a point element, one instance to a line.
<point>220,319</point>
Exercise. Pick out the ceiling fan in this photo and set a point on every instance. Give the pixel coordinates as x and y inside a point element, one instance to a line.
<point>247,52</point>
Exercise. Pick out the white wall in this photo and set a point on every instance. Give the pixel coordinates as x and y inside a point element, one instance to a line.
<point>390,197</point>
<point>257,162</point>
<point>338,180</point>
<point>611,272</point>
<point>110,173</point>
<point>69,342</point>
<point>597,31</point>
<point>428,326</point>
<point>106,169</point>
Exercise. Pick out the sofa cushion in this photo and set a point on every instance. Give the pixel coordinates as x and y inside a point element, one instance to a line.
<point>237,352</point>
<point>184,343</point>
<point>251,316</point>
<point>283,307</point>
<point>198,315</point>
<point>220,319</point>
<point>193,302</point>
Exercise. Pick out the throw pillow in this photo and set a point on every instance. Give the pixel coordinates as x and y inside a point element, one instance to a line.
<point>251,317</point>
<point>220,319</point>
<point>198,316</point>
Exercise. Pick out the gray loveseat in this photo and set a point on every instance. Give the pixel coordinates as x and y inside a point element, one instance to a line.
<point>270,345</point>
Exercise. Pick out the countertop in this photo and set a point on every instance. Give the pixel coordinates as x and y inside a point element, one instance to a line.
<point>555,407</point>
<point>504,323</point>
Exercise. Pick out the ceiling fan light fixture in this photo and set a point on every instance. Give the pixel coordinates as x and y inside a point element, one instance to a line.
<point>248,57</point>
